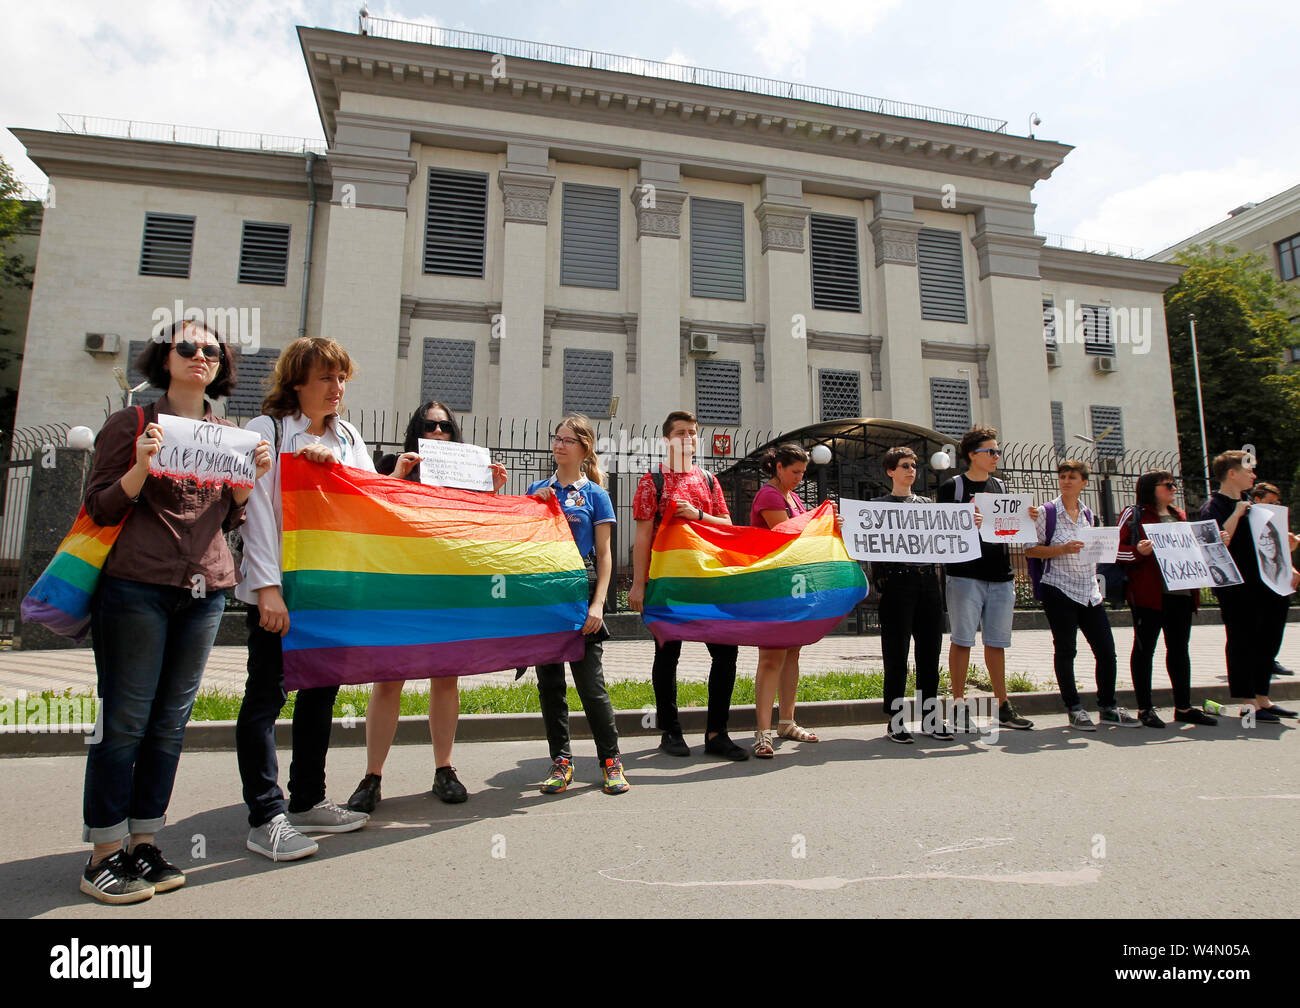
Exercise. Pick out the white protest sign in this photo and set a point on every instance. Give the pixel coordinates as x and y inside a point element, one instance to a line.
<point>1099,544</point>
<point>1268,527</point>
<point>1006,518</point>
<point>448,464</point>
<point>910,533</point>
<point>205,452</point>
<point>1191,555</point>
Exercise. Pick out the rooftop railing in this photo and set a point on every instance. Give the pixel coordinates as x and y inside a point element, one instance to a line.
<point>133,129</point>
<point>405,31</point>
<point>1073,244</point>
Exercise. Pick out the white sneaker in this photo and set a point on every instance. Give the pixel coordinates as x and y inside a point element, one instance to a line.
<point>279,841</point>
<point>326,817</point>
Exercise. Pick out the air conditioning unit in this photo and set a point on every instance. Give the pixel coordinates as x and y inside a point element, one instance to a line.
<point>1104,365</point>
<point>1053,358</point>
<point>102,343</point>
<point>704,343</point>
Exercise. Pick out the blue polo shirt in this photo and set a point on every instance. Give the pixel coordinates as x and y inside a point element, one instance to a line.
<point>585,505</point>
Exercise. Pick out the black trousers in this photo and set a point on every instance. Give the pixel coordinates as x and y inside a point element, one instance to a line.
<point>1248,622</point>
<point>911,615</point>
<point>1066,618</point>
<point>722,681</point>
<point>589,679</point>
<point>1277,606</point>
<point>1174,620</point>
<point>313,716</point>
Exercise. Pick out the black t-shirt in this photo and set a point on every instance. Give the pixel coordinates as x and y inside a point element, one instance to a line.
<point>1242,548</point>
<point>994,563</point>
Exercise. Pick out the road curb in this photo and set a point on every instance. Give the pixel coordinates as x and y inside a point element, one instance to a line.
<point>219,736</point>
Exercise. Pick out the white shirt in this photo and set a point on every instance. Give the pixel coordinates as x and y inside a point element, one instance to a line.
<point>262,526</point>
<point>1074,577</point>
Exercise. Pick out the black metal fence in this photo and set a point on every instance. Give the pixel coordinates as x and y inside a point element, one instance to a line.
<point>28,446</point>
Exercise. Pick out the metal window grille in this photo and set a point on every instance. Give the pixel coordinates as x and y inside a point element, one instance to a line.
<point>942,278</point>
<point>1058,426</point>
<point>455,223</point>
<point>448,373</point>
<point>252,383</point>
<point>264,254</point>
<point>841,393</point>
<point>589,237</point>
<point>717,249</point>
<point>1098,340</point>
<point>1049,324</point>
<point>950,406</point>
<point>168,245</point>
<point>588,382</point>
<point>1107,429</point>
<point>836,284</point>
<point>717,392</point>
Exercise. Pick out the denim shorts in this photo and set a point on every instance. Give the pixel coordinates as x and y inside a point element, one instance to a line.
<point>974,604</point>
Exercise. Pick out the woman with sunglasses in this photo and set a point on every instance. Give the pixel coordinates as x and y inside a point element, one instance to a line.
<point>1155,610</point>
<point>155,613</point>
<point>433,422</point>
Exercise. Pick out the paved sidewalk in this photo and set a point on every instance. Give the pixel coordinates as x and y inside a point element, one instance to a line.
<point>1030,656</point>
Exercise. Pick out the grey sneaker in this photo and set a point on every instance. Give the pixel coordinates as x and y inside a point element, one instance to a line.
<point>1080,721</point>
<point>279,841</point>
<point>1118,717</point>
<point>326,817</point>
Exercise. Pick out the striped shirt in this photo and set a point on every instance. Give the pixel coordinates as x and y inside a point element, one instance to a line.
<point>1074,577</point>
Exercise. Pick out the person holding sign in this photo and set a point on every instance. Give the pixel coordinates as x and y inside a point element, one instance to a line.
<point>431,422</point>
<point>981,592</point>
<point>1072,599</point>
<point>1267,493</point>
<point>1155,608</point>
<point>300,416</point>
<point>579,486</point>
<point>911,609</point>
<point>1245,607</point>
<point>155,612</point>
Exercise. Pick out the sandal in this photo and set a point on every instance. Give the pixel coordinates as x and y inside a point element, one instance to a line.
<point>763,745</point>
<point>793,731</point>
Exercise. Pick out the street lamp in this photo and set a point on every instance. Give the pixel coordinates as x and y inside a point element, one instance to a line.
<point>1200,406</point>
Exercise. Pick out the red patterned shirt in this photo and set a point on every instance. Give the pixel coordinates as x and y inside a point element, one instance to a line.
<point>690,487</point>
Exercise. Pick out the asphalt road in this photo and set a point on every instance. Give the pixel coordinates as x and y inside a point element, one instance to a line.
<point>1126,822</point>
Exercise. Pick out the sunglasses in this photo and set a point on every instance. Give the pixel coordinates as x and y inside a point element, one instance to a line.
<point>995,452</point>
<point>1169,484</point>
<point>188,348</point>
<point>446,426</point>
<point>907,465</point>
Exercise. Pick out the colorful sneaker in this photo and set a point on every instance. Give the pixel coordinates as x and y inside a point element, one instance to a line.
<point>150,865</point>
<point>1117,717</point>
<point>114,880</point>
<point>615,782</point>
<point>561,775</point>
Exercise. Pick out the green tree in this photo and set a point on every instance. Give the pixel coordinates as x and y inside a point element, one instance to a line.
<point>15,217</point>
<point>1243,325</point>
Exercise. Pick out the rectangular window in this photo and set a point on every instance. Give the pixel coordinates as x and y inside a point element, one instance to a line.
<point>717,249</point>
<point>1058,426</point>
<point>1098,339</point>
<point>167,246</point>
<point>448,373</point>
<point>950,406</point>
<point>834,252</point>
<point>1288,257</point>
<point>264,254</point>
<point>1107,429</point>
<point>841,393</point>
<point>717,392</point>
<point>1049,324</point>
<point>255,370</point>
<point>942,278</point>
<point>589,237</point>
<point>588,382</point>
<point>455,223</point>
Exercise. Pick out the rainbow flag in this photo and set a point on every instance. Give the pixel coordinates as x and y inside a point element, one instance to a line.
<point>60,598</point>
<point>781,587</point>
<point>388,579</point>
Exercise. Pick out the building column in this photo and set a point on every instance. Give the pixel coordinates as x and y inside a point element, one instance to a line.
<point>361,283</point>
<point>1011,291</point>
<point>897,308</point>
<point>526,189</point>
<point>786,297</point>
<point>657,200</point>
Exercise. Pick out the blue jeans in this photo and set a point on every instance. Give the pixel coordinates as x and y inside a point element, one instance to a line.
<point>151,645</point>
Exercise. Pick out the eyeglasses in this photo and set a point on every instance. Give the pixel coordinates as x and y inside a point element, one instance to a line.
<point>995,452</point>
<point>188,348</point>
<point>446,426</point>
<point>568,442</point>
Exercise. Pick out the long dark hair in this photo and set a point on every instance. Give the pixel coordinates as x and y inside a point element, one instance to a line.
<point>1146,486</point>
<point>415,428</point>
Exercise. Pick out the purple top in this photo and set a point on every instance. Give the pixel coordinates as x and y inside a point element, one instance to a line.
<point>769,498</point>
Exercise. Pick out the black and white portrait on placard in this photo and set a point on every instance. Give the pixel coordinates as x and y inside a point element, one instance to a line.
<point>1268,526</point>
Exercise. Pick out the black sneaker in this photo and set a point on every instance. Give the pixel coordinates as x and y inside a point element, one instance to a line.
<point>366,796</point>
<point>673,745</point>
<point>1263,714</point>
<point>721,745</point>
<point>447,787</point>
<point>1194,715</point>
<point>963,722</point>
<point>150,865</point>
<point>1281,670</point>
<point>1152,720</point>
<point>1008,717</point>
<point>115,880</point>
<point>902,736</point>
<point>1281,711</point>
<point>942,731</point>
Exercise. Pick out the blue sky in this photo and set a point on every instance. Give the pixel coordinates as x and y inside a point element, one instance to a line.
<point>1178,111</point>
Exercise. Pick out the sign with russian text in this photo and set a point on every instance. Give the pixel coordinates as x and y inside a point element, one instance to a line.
<point>910,533</point>
<point>1005,518</point>
<point>205,452</point>
<point>448,464</point>
<point>1191,555</point>
<point>1099,544</point>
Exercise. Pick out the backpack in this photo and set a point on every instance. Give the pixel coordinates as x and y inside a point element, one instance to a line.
<point>958,486</point>
<point>1116,575</point>
<point>1039,566</point>
<point>657,475</point>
